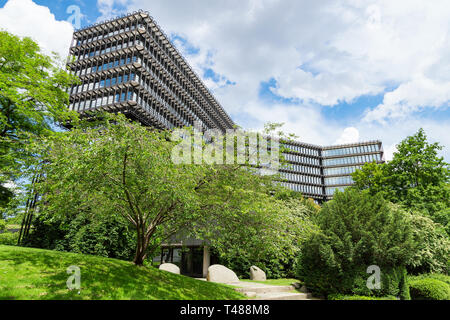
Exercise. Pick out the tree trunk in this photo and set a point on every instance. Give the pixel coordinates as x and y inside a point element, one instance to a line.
<point>139,258</point>
<point>141,247</point>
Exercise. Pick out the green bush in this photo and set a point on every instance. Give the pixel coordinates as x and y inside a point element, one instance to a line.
<point>272,244</point>
<point>429,289</point>
<point>2,225</point>
<point>433,246</point>
<point>9,239</point>
<point>357,230</point>
<point>443,218</point>
<point>107,235</point>
<point>356,297</point>
<point>438,276</point>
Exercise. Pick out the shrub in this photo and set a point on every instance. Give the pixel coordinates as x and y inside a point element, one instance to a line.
<point>438,276</point>
<point>9,239</point>
<point>429,289</point>
<point>272,244</point>
<point>433,246</point>
<point>2,225</point>
<point>107,235</point>
<point>356,297</point>
<point>443,218</point>
<point>357,230</point>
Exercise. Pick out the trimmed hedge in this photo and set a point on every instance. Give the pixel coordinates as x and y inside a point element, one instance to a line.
<point>429,289</point>
<point>438,276</point>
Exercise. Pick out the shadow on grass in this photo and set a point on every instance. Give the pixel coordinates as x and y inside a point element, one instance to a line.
<point>101,278</point>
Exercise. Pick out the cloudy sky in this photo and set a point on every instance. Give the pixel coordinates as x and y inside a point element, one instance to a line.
<point>332,71</point>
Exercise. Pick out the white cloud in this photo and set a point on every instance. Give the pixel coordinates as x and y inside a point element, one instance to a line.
<point>26,18</point>
<point>389,152</point>
<point>108,8</point>
<point>418,94</point>
<point>349,135</point>
<point>393,133</point>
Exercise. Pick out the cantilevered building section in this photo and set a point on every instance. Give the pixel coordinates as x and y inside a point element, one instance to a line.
<point>304,172</point>
<point>317,172</point>
<point>128,65</point>
<point>339,162</point>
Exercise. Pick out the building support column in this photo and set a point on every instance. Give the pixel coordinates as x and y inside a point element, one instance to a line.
<point>206,260</point>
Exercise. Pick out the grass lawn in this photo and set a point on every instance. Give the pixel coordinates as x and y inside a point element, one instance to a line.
<point>276,282</point>
<point>33,274</point>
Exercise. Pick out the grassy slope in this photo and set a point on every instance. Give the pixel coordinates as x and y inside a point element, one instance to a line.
<point>29,274</point>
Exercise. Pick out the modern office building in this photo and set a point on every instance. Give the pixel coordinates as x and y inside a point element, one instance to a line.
<point>317,172</point>
<point>340,161</point>
<point>129,65</point>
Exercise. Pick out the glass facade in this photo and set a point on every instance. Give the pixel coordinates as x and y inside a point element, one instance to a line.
<point>331,190</point>
<point>340,170</point>
<point>318,172</point>
<point>352,160</point>
<point>351,150</point>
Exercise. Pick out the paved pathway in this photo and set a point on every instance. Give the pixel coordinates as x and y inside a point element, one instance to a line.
<point>259,291</point>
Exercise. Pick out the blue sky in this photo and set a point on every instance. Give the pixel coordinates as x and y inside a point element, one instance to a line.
<point>332,72</point>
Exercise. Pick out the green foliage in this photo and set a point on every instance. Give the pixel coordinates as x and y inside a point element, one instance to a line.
<point>433,246</point>
<point>371,176</point>
<point>418,180</point>
<point>269,238</point>
<point>2,224</point>
<point>443,218</point>
<point>5,196</point>
<point>108,235</point>
<point>356,297</point>
<point>416,177</point>
<point>35,274</point>
<point>357,230</point>
<point>118,167</point>
<point>8,238</point>
<point>429,289</point>
<point>438,276</point>
<point>32,97</point>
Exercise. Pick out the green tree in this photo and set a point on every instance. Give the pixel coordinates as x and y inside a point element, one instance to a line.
<point>33,95</point>
<point>416,177</point>
<point>120,167</point>
<point>357,230</point>
<point>371,177</point>
<point>268,237</point>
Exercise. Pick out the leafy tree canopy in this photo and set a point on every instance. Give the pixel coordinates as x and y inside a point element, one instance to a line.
<point>33,94</point>
<point>120,167</point>
<point>357,230</point>
<point>416,177</point>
